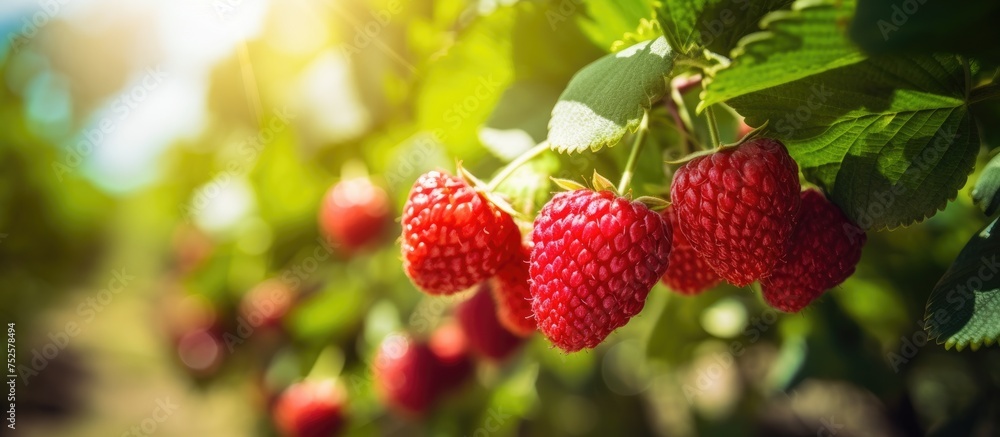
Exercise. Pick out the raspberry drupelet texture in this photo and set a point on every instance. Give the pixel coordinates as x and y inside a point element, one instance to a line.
<point>596,257</point>
<point>453,238</point>
<point>826,246</point>
<point>737,208</point>
<point>512,295</point>
<point>687,273</point>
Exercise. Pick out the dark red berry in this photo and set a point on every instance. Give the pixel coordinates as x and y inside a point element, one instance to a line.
<point>826,246</point>
<point>687,273</point>
<point>411,376</point>
<point>487,337</point>
<point>737,207</point>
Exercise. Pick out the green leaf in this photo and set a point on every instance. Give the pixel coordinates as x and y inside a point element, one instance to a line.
<point>285,186</point>
<point>808,40</point>
<point>332,312</point>
<point>713,24</point>
<point>964,307</point>
<point>679,20</point>
<point>925,27</point>
<point>545,55</point>
<point>890,139</point>
<point>520,119</point>
<point>607,98</point>
<point>568,185</point>
<point>985,194</point>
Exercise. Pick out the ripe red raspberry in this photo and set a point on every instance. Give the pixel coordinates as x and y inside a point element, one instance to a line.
<point>826,247</point>
<point>411,376</point>
<point>596,257</point>
<point>453,238</point>
<point>687,273</point>
<point>737,207</point>
<point>512,295</point>
<point>487,336</point>
<point>354,214</point>
<point>311,409</point>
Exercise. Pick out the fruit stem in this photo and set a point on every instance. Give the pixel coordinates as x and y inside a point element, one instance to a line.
<point>517,162</point>
<point>687,140</point>
<point>713,127</point>
<point>640,139</point>
<point>986,92</point>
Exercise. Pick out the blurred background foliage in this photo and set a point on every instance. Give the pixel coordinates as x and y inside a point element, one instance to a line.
<point>209,182</point>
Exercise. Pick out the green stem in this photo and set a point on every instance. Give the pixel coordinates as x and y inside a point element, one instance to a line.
<point>517,162</point>
<point>640,139</point>
<point>687,142</point>
<point>713,127</point>
<point>986,92</point>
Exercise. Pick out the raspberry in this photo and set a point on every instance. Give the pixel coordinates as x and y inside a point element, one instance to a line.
<point>453,238</point>
<point>450,346</point>
<point>826,247</point>
<point>687,273</point>
<point>200,351</point>
<point>267,303</point>
<point>311,409</point>
<point>404,372</point>
<point>737,207</point>
<point>487,336</point>
<point>596,257</point>
<point>512,295</point>
<point>354,213</point>
<point>411,376</point>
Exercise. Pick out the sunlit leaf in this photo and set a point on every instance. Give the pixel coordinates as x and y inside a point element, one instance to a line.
<point>607,98</point>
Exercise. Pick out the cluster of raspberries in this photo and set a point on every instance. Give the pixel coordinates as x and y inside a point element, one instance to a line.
<point>738,214</point>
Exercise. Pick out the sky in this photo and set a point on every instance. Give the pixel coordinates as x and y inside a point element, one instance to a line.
<point>158,55</point>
